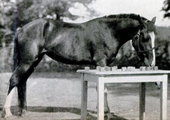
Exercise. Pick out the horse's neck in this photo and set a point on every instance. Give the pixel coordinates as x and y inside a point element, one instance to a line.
<point>126,38</point>
<point>122,43</point>
<point>123,29</point>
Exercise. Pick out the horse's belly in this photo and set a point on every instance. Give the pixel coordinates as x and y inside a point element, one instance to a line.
<point>70,57</point>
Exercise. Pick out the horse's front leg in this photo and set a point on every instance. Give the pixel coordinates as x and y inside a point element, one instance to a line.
<point>108,115</point>
<point>103,63</point>
<point>106,106</point>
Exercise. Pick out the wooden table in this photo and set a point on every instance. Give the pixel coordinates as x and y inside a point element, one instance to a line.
<point>119,76</point>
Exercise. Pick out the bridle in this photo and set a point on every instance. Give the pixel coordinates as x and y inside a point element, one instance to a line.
<point>139,49</point>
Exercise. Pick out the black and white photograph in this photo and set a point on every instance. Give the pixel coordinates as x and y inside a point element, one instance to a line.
<point>84,59</point>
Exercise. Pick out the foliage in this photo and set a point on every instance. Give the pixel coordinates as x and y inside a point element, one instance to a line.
<point>166,8</point>
<point>29,10</point>
<point>16,13</point>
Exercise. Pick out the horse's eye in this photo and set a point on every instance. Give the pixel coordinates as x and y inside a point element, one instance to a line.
<point>146,38</point>
<point>136,37</point>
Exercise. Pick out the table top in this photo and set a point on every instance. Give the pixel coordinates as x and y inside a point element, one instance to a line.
<point>120,72</point>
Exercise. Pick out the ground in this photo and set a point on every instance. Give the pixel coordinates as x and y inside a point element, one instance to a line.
<point>57,96</point>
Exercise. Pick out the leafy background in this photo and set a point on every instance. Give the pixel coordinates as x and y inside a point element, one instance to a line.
<point>14,14</point>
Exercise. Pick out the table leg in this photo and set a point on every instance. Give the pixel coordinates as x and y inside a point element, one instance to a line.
<point>84,99</point>
<point>100,99</point>
<point>164,87</point>
<point>142,101</point>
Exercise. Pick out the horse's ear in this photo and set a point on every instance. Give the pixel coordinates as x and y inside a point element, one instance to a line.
<point>153,20</point>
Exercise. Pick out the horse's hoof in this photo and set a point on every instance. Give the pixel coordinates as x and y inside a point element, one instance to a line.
<point>111,116</point>
<point>6,115</point>
<point>22,113</point>
<point>3,114</point>
<point>12,117</point>
<point>106,110</point>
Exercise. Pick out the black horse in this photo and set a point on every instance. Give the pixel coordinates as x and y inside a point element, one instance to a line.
<point>94,42</point>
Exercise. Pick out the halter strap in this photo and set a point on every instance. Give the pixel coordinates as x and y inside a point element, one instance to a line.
<point>146,50</point>
<point>142,51</point>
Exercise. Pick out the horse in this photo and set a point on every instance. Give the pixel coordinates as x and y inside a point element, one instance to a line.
<point>94,42</point>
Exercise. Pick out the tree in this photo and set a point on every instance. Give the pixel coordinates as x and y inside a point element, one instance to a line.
<point>17,13</point>
<point>166,8</point>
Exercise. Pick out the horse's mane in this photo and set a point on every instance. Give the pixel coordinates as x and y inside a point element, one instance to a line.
<point>132,16</point>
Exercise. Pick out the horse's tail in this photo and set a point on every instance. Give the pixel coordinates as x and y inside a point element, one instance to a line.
<point>16,50</point>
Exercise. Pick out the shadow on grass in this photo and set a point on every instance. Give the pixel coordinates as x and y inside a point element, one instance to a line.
<point>56,75</point>
<point>91,115</point>
<point>129,89</point>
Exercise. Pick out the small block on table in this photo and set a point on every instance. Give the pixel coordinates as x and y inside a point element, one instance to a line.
<point>98,68</point>
<point>148,68</point>
<point>155,67</point>
<point>130,68</point>
<point>142,68</point>
<point>114,68</point>
<point>87,68</point>
<point>107,68</point>
<point>124,68</point>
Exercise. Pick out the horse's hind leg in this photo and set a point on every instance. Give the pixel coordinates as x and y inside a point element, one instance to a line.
<point>14,80</point>
<point>18,79</point>
<point>22,85</point>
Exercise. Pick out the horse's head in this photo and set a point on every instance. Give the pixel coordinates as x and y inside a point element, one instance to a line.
<point>143,42</point>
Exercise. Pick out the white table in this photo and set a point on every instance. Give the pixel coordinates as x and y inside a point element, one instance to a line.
<point>119,76</point>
